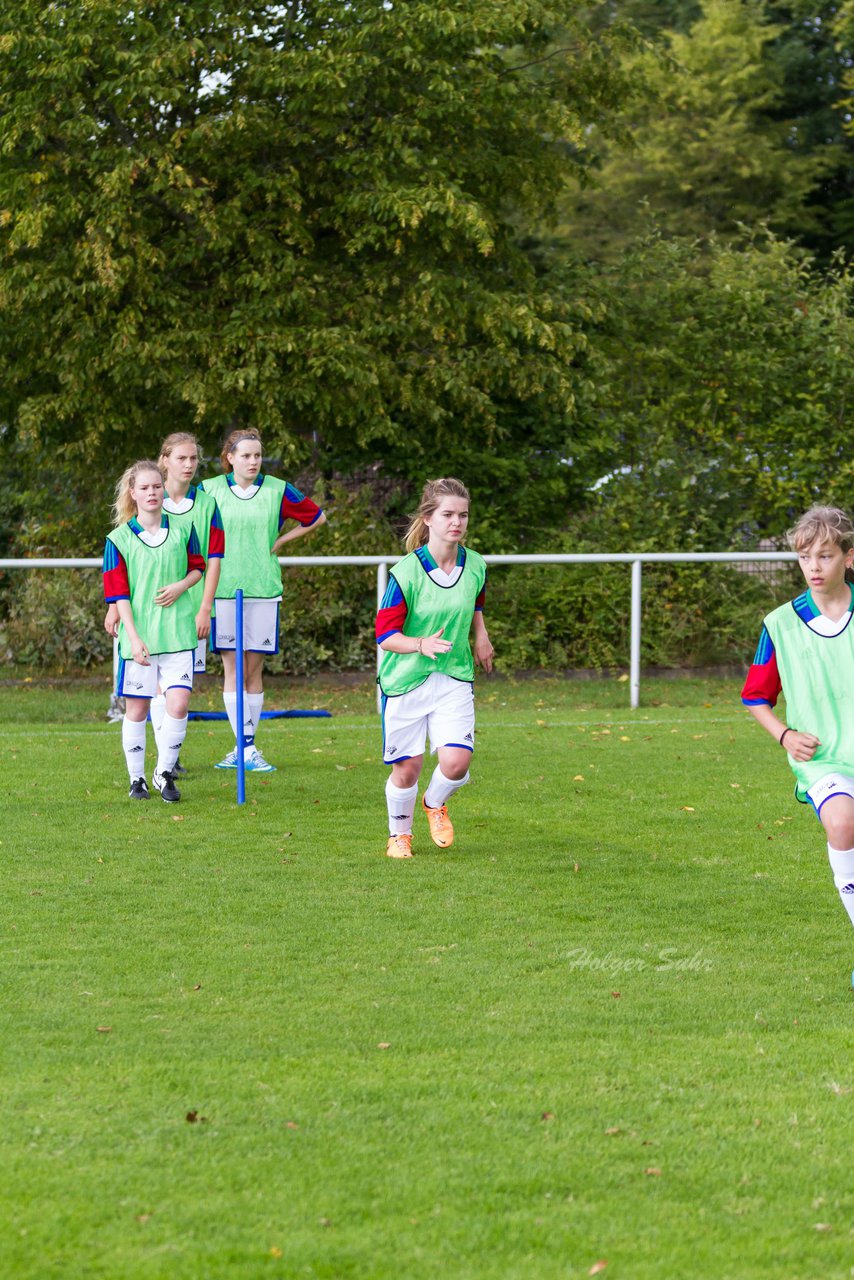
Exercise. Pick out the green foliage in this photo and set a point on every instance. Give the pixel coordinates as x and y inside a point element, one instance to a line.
<point>327,614</point>
<point>54,620</point>
<point>730,417</point>
<point>565,617</point>
<point>295,216</point>
<point>713,145</point>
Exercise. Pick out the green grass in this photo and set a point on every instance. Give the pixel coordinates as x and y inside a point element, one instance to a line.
<point>613,1023</point>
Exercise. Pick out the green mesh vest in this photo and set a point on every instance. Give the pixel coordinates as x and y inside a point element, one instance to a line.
<point>170,630</point>
<point>817,674</point>
<point>200,515</point>
<point>251,527</point>
<point>430,606</point>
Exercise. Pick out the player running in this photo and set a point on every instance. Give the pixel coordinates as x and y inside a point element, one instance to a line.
<point>435,596</point>
<point>254,508</point>
<point>806,650</point>
<point>149,566</point>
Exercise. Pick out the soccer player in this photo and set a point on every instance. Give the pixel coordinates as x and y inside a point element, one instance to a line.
<point>435,596</point>
<point>254,508</point>
<point>184,503</point>
<point>149,566</point>
<point>806,650</point>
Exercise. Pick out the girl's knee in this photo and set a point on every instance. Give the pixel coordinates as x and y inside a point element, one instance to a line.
<point>840,835</point>
<point>454,764</point>
<point>177,703</point>
<point>406,773</point>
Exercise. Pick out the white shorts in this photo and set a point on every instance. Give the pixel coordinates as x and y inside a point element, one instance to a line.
<point>260,626</point>
<point>441,707</point>
<point>200,658</point>
<point>832,784</point>
<point>166,670</point>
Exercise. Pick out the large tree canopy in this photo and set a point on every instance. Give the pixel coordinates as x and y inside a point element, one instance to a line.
<point>718,142</point>
<point>296,215</point>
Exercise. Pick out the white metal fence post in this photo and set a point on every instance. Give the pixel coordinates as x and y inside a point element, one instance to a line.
<point>635,654</point>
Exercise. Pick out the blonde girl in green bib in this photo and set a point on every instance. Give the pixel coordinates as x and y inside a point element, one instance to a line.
<point>150,564</point>
<point>806,652</point>
<point>255,509</point>
<point>184,503</point>
<point>434,600</point>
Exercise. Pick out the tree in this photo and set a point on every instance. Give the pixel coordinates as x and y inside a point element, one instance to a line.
<point>299,216</point>
<point>712,147</point>
<point>725,393</point>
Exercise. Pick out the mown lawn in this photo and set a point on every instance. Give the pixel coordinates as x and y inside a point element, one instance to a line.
<point>611,1026</point>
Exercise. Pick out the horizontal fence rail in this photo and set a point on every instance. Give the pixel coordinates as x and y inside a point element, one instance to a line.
<point>636,559</point>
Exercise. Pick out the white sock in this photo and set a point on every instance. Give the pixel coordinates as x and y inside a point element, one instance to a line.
<point>401,807</point>
<point>157,711</point>
<point>230,700</point>
<point>253,705</point>
<point>169,743</point>
<point>133,743</point>
<point>842,866</point>
<point>441,788</point>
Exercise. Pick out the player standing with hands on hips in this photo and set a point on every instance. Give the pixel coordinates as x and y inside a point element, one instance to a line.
<point>434,598</point>
<point>254,508</point>
<point>149,566</point>
<point>806,651</point>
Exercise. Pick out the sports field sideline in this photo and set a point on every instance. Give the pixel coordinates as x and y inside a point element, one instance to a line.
<point>607,1033</point>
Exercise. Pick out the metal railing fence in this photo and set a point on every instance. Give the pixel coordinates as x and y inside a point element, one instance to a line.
<point>636,559</point>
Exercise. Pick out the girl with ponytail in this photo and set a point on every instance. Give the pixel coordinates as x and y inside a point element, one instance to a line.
<point>149,566</point>
<point>435,597</point>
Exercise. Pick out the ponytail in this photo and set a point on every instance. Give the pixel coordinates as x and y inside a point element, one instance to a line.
<point>434,491</point>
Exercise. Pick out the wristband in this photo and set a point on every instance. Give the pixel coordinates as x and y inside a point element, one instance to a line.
<point>420,648</point>
<point>783,734</point>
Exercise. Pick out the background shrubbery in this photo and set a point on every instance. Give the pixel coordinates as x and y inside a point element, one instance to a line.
<point>412,241</point>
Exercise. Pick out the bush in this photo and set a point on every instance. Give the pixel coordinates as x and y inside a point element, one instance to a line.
<point>54,617</point>
<point>553,617</point>
<point>54,620</point>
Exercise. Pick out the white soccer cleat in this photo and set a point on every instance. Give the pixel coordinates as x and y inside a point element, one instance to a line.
<point>254,762</point>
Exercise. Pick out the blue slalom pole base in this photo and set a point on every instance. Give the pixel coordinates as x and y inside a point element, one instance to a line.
<point>265,715</point>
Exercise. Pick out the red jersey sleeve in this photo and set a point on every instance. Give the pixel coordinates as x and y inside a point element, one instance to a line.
<point>116,583</point>
<point>392,612</point>
<point>216,536</point>
<point>295,506</point>
<point>763,683</point>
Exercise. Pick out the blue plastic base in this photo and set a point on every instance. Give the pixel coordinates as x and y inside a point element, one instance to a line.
<point>265,715</point>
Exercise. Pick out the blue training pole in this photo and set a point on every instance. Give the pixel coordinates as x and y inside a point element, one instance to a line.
<point>238,685</point>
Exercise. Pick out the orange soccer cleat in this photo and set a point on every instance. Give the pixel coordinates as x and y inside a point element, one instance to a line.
<point>441,829</point>
<point>399,846</point>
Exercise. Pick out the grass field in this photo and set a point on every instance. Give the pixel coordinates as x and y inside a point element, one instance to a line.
<point>609,1032</point>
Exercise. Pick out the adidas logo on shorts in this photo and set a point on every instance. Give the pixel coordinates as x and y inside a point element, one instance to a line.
<point>468,738</point>
<point>226,639</point>
<point>185,676</point>
<point>266,643</point>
